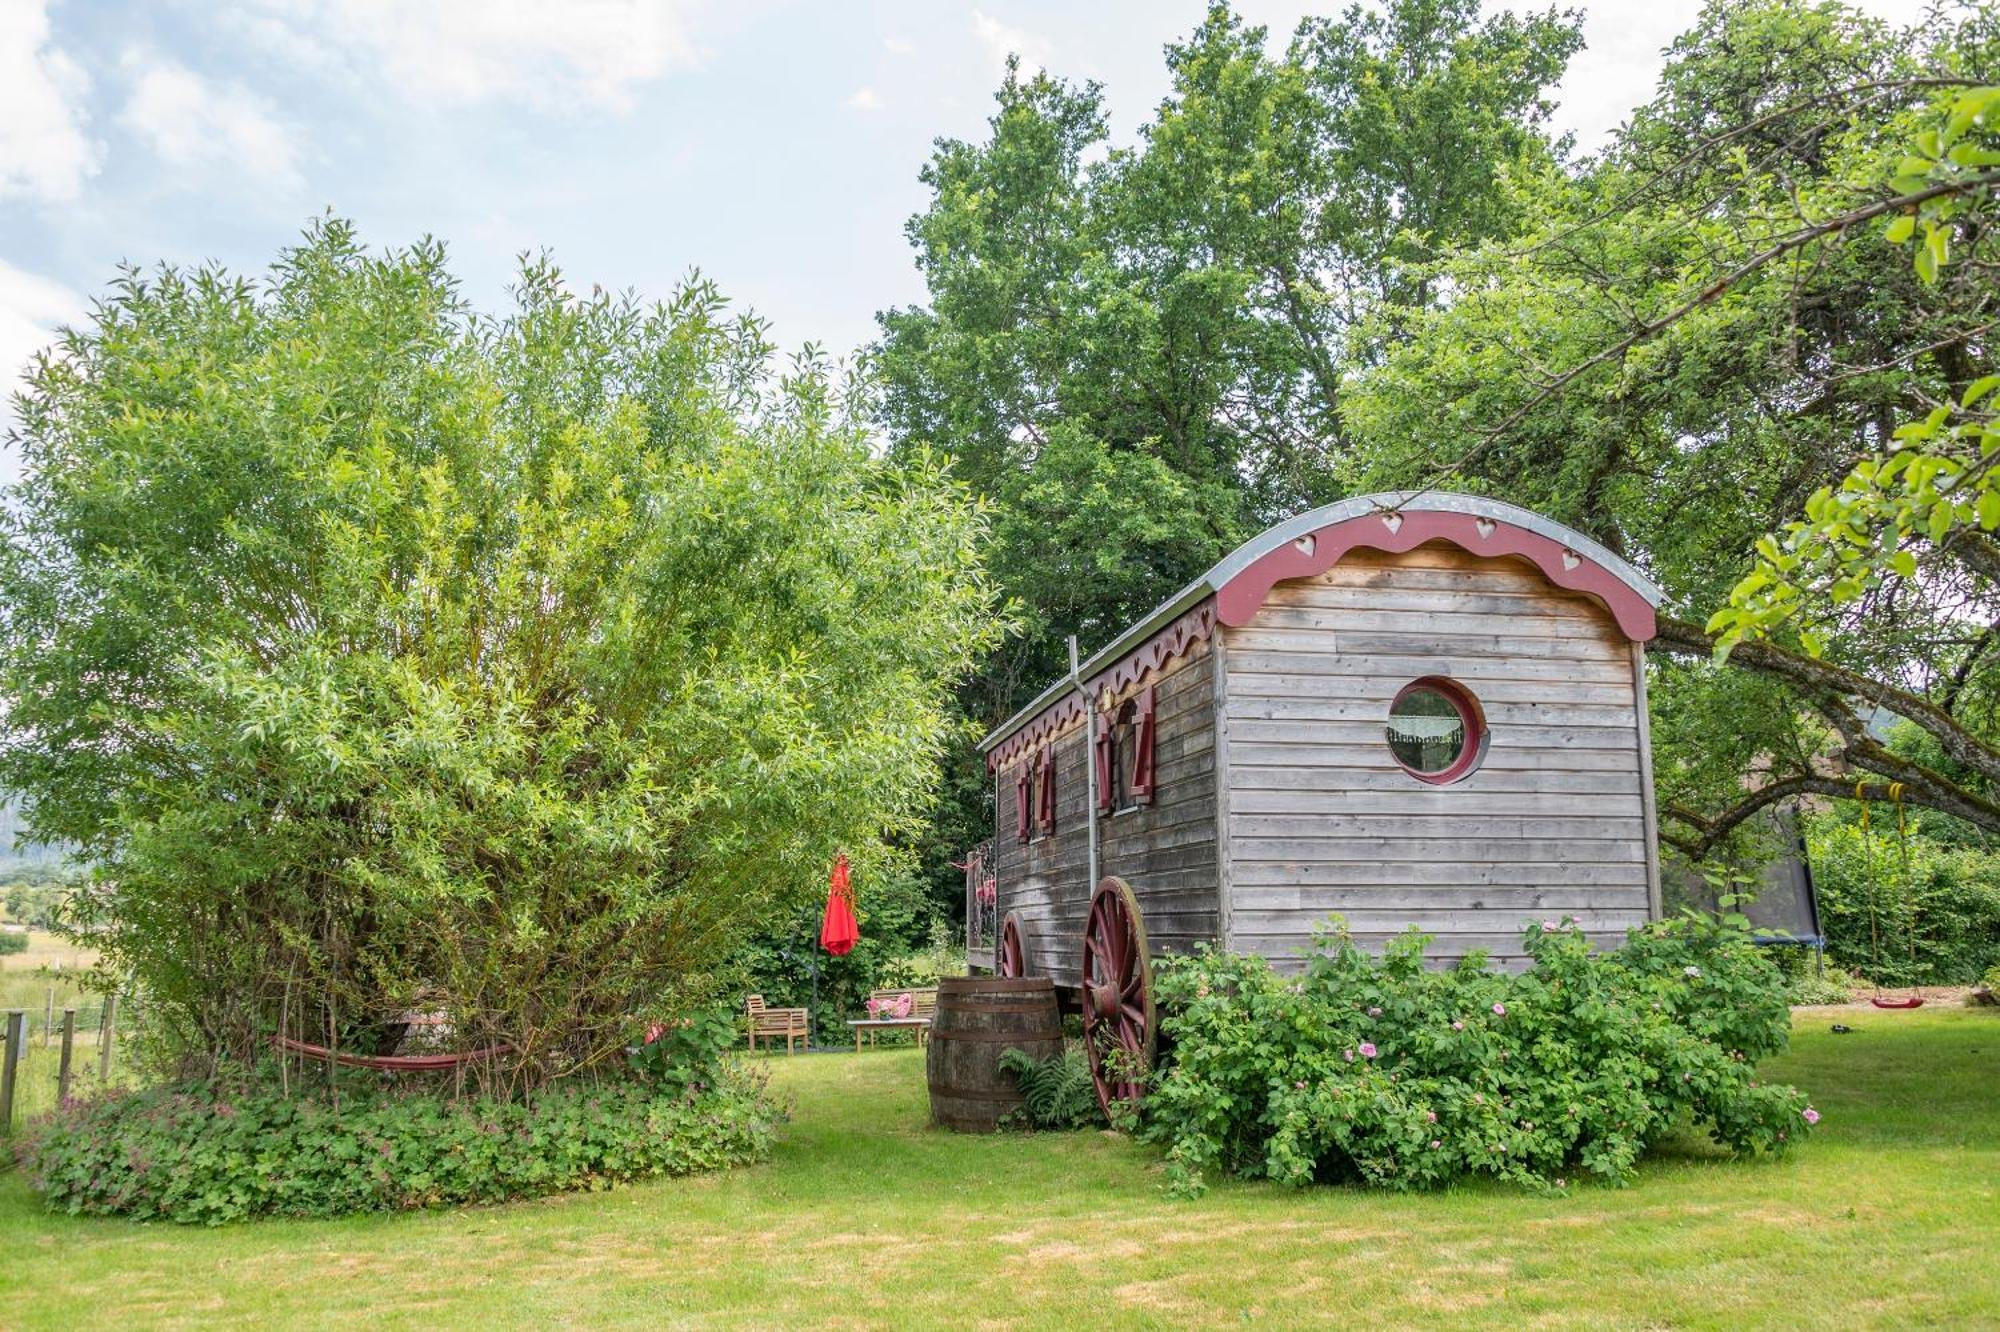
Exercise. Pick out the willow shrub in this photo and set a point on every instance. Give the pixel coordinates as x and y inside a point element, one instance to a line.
<point>1378,1070</point>
<point>386,657</point>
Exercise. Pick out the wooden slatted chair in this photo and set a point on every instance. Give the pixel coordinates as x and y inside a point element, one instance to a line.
<point>771,1023</point>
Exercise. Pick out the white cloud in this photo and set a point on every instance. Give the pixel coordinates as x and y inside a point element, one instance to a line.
<point>1003,41</point>
<point>30,308</point>
<point>865,99</point>
<point>584,55</point>
<point>899,46</point>
<point>44,152</point>
<point>197,124</point>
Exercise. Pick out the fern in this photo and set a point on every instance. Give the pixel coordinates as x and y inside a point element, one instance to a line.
<point>1058,1091</point>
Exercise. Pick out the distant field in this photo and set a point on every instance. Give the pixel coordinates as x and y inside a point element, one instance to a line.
<point>867,1217</point>
<point>42,982</point>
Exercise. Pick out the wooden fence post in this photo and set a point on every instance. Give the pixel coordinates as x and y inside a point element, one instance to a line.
<point>48,1015</point>
<point>17,1022</point>
<point>107,1031</point>
<point>68,1047</point>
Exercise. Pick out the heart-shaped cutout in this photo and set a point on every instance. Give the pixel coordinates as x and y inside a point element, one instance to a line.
<point>1485,526</point>
<point>1306,543</point>
<point>1393,521</point>
<point>1571,559</point>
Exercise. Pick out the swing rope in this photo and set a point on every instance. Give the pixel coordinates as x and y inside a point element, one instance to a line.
<point>1915,999</point>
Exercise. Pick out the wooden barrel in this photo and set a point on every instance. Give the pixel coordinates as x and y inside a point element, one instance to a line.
<point>977,1018</point>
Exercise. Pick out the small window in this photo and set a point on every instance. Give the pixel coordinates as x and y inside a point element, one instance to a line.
<point>1045,792</point>
<point>1436,730</point>
<point>1124,745</point>
<point>1125,754</point>
<point>1022,802</point>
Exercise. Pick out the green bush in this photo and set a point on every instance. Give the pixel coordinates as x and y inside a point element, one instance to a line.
<point>206,1155</point>
<point>1058,1091</point>
<point>13,943</point>
<point>1812,979</point>
<point>1381,1071</point>
<point>1949,895</point>
<point>385,656</point>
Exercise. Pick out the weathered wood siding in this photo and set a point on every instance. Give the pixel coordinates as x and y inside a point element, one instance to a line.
<point>1166,850</point>
<point>1321,819</point>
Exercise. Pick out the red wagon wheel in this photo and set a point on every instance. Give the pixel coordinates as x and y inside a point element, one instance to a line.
<point>1118,1027</point>
<point>1010,951</point>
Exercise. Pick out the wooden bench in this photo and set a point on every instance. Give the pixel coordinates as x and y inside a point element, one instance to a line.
<point>771,1023</point>
<point>923,1007</point>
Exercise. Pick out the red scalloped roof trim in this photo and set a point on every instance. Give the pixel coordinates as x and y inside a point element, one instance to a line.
<point>1242,597</point>
<point>1176,640</point>
<point>1309,556</point>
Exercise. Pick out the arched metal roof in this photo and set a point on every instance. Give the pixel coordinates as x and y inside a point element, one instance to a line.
<point>1394,521</point>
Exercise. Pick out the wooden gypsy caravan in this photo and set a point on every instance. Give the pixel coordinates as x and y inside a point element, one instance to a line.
<point>1425,709</point>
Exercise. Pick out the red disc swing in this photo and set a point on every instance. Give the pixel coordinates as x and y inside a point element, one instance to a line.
<point>1915,998</point>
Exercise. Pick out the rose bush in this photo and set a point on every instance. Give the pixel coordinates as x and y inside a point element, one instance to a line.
<point>1379,1070</point>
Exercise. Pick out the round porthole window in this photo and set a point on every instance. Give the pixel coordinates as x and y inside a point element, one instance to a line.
<point>1436,730</point>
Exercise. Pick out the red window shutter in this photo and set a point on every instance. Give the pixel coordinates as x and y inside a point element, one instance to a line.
<point>1045,805</point>
<point>1106,748</point>
<point>1142,750</point>
<point>1021,803</point>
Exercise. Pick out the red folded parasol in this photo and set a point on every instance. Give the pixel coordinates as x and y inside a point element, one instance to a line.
<point>839,931</point>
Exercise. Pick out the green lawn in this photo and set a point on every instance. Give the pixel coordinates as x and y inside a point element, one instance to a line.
<point>1890,1216</point>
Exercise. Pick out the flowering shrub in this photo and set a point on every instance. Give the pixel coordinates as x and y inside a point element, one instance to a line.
<point>204,1155</point>
<point>1378,1070</point>
<point>685,1056</point>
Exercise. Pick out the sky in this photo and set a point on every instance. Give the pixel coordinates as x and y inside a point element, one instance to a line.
<point>774,146</point>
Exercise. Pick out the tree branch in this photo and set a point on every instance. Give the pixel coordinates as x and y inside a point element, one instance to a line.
<point>1822,680</point>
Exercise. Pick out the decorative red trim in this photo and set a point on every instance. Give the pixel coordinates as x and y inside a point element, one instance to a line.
<point>1469,713</point>
<point>1242,597</point>
<point>1176,640</point>
<point>1142,750</point>
<point>1021,804</point>
<point>1045,799</point>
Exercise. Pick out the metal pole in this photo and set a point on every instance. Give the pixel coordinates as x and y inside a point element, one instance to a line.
<point>1089,759</point>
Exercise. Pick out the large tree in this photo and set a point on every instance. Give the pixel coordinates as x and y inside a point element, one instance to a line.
<point>1137,352</point>
<point>1712,326</point>
<point>384,657</point>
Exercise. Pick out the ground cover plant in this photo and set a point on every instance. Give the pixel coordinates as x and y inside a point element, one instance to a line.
<point>1380,1070</point>
<point>208,1154</point>
<point>865,1215</point>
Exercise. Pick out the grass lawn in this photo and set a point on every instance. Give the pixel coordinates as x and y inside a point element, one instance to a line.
<point>1890,1216</point>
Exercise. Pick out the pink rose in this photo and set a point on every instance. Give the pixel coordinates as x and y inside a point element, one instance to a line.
<point>1367,1049</point>
<point>1499,1010</point>
<point>1811,1115</point>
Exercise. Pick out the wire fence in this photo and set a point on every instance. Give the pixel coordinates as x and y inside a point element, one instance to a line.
<point>65,1050</point>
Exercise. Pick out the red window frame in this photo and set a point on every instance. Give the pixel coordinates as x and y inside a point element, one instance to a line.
<point>1021,804</point>
<point>1470,753</point>
<point>1045,791</point>
<point>1137,711</point>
